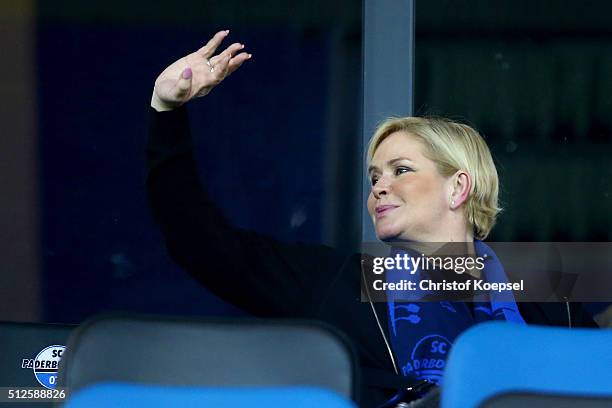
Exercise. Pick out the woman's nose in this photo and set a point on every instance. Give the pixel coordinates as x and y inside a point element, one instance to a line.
<point>381,187</point>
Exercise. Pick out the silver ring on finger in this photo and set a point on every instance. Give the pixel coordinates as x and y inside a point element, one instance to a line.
<point>212,68</point>
<point>210,64</point>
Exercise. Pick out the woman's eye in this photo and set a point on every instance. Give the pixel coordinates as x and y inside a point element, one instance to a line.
<point>402,170</point>
<point>373,180</point>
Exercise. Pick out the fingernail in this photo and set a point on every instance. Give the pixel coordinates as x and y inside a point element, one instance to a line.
<point>250,55</point>
<point>226,31</point>
<point>241,46</point>
<point>186,73</point>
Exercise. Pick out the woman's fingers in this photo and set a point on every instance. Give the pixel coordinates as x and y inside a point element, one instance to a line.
<point>231,50</point>
<point>237,61</point>
<point>209,49</point>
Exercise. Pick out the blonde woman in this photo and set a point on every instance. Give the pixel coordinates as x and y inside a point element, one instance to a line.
<point>432,181</point>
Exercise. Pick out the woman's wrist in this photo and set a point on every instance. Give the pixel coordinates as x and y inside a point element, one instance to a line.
<point>159,105</point>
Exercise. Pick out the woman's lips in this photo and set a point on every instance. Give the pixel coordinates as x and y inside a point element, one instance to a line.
<point>382,210</point>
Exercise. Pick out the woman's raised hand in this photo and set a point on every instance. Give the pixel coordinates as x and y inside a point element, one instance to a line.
<point>196,74</point>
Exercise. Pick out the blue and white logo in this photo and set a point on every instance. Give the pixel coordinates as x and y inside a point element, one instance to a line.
<point>45,365</point>
<point>428,358</point>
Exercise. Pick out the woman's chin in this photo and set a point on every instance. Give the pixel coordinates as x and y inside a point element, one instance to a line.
<point>387,235</point>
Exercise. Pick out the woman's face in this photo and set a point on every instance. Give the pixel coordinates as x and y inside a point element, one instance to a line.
<point>409,198</point>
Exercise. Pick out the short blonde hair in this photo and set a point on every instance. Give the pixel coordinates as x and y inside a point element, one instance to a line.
<point>453,146</point>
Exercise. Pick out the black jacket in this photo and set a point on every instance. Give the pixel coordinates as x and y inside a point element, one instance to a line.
<point>279,279</point>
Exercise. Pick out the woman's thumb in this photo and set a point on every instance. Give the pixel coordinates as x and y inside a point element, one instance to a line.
<point>183,86</point>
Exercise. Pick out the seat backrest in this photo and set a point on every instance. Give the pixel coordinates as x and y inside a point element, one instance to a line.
<point>213,353</point>
<point>499,364</point>
<point>105,395</point>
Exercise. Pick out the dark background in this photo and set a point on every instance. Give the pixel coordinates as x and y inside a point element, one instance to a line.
<point>279,142</point>
<point>535,78</point>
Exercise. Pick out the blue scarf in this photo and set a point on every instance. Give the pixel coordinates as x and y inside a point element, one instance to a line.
<point>422,333</point>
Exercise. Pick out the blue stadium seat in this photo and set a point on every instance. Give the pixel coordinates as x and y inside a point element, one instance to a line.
<point>497,365</point>
<point>119,395</point>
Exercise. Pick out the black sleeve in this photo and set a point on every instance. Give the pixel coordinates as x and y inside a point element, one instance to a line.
<point>254,272</point>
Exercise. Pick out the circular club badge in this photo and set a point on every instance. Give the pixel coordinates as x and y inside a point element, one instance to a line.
<point>428,357</point>
<point>45,365</point>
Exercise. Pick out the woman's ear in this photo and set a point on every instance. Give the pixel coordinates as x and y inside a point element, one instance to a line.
<point>461,187</point>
